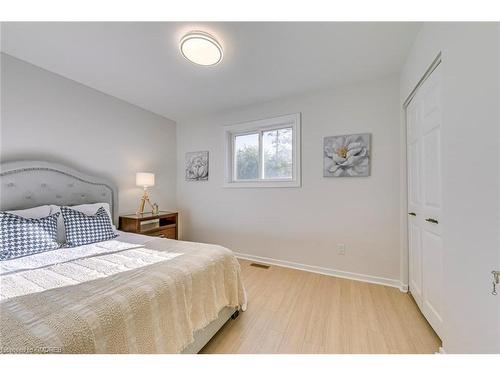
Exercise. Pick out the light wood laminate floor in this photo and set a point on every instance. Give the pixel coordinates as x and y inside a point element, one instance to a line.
<point>291,311</point>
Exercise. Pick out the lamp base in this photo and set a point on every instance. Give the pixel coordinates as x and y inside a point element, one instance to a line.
<point>144,199</point>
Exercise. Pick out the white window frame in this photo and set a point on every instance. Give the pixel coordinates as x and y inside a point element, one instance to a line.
<point>260,126</point>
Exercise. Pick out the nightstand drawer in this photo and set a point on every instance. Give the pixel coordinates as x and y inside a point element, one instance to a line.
<point>166,233</point>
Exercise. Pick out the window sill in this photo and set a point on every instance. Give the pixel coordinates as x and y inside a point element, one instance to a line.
<point>263,184</point>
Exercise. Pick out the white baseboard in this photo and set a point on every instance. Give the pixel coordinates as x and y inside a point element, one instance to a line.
<point>326,271</point>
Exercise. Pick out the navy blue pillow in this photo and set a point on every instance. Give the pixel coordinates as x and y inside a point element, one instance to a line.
<point>20,236</point>
<point>83,229</point>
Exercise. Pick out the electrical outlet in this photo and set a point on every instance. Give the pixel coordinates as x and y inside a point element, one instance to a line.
<point>341,248</point>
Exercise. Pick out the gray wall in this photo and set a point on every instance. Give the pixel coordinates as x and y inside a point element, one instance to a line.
<point>304,225</point>
<point>47,117</point>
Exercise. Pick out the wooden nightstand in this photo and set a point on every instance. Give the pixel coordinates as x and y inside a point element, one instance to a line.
<point>162,224</point>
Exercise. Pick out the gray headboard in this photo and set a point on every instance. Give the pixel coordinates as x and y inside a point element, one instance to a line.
<point>25,184</point>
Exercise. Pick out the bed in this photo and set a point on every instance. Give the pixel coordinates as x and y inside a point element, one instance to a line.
<point>129,294</point>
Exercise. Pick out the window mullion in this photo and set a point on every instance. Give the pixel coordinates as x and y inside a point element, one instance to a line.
<point>261,156</point>
<point>233,157</point>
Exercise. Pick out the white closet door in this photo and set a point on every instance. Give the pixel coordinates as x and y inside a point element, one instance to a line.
<point>432,244</point>
<point>414,200</point>
<point>424,115</point>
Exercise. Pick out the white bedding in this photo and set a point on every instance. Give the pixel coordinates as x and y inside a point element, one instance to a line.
<point>62,254</point>
<point>69,266</point>
<point>67,298</point>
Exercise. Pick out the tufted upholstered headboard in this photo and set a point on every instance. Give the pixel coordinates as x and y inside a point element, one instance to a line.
<point>25,184</point>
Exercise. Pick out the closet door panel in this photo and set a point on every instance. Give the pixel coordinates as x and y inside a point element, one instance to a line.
<point>414,200</point>
<point>415,261</point>
<point>432,244</point>
<point>432,278</point>
<point>431,115</point>
<point>432,170</point>
<point>424,134</point>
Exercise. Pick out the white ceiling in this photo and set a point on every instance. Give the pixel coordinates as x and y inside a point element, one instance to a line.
<point>140,62</point>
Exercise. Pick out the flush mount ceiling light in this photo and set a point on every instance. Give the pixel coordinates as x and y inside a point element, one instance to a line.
<point>201,48</point>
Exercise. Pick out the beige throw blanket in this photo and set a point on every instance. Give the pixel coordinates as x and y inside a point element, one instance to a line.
<point>115,297</point>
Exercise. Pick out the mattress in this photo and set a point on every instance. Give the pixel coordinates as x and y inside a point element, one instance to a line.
<point>133,294</point>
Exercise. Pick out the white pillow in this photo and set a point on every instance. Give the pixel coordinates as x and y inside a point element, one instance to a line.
<point>33,213</point>
<point>87,209</point>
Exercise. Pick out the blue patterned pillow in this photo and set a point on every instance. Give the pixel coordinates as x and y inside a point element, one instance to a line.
<point>83,229</point>
<point>20,236</point>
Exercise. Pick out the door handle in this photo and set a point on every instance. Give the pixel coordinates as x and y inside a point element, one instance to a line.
<point>430,220</point>
<point>412,214</point>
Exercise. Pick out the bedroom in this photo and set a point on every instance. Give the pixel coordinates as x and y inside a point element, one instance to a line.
<point>237,188</point>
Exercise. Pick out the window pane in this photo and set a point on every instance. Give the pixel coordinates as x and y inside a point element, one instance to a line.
<point>278,153</point>
<point>246,154</point>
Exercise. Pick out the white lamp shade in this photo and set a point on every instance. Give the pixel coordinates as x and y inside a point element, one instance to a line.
<point>145,179</point>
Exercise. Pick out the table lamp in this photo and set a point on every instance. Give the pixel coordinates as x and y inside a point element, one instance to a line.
<point>145,180</point>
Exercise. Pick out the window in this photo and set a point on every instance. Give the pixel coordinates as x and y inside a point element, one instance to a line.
<point>264,153</point>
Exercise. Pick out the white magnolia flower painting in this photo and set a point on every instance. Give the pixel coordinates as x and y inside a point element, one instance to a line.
<point>197,166</point>
<point>346,155</point>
